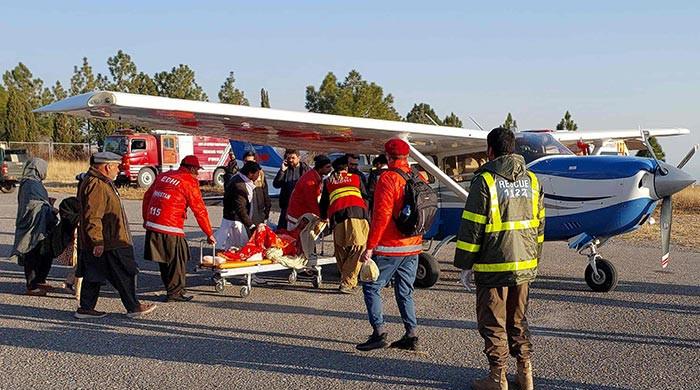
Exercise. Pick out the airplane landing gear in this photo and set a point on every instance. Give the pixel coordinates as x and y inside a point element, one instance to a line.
<point>600,274</point>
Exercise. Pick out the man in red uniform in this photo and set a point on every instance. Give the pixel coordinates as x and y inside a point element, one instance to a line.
<point>164,212</point>
<point>307,192</point>
<point>342,202</point>
<point>396,255</point>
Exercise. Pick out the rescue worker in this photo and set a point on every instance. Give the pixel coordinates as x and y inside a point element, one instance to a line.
<point>106,246</point>
<point>307,192</point>
<point>286,179</point>
<point>164,211</point>
<point>396,255</point>
<point>261,203</point>
<point>500,241</point>
<point>342,202</point>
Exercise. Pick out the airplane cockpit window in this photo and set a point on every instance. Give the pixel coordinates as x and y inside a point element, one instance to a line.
<point>536,145</point>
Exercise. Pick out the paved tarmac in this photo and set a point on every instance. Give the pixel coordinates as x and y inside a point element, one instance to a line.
<point>643,335</point>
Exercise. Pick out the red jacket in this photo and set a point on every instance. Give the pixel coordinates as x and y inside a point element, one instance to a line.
<point>165,204</point>
<point>384,237</point>
<point>305,196</point>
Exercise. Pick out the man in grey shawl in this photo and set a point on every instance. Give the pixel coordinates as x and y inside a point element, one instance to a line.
<point>36,217</point>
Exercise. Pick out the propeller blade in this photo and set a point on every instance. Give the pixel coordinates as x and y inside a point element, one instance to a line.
<point>666,218</point>
<point>688,156</point>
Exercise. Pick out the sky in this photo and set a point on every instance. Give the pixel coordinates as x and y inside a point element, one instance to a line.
<point>613,64</point>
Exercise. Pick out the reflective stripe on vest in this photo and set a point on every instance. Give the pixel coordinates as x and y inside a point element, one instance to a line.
<point>496,225</point>
<point>171,229</point>
<point>505,267</point>
<point>474,217</point>
<point>398,249</point>
<point>343,192</point>
<point>465,246</point>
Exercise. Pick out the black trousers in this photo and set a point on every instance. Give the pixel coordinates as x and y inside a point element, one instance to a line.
<point>119,276</point>
<point>172,254</point>
<point>36,267</point>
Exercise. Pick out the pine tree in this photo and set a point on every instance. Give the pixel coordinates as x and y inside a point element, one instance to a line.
<point>567,123</point>
<point>510,123</point>
<point>353,97</point>
<point>179,83</point>
<point>228,93</point>
<point>423,113</point>
<point>658,150</point>
<point>20,123</point>
<point>452,120</point>
<point>123,71</point>
<point>3,109</point>
<point>24,93</point>
<point>65,128</point>
<point>264,98</point>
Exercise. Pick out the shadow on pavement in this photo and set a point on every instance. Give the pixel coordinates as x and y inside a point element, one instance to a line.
<point>179,342</point>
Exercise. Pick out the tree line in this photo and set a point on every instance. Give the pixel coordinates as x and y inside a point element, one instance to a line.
<point>21,92</point>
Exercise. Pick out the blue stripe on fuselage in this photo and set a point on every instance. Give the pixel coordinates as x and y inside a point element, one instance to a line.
<point>593,167</point>
<point>605,222</point>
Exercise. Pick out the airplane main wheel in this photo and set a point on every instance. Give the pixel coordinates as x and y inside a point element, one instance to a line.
<point>606,279</point>
<point>428,271</point>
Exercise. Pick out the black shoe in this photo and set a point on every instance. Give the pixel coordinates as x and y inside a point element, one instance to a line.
<point>374,342</point>
<point>406,343</point>
<point>179,298</point>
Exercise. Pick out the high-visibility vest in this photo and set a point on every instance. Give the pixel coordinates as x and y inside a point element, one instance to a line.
<point>495,224</point>
<point>344,191</point>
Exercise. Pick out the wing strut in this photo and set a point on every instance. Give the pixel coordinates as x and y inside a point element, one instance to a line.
<point>447,181</point>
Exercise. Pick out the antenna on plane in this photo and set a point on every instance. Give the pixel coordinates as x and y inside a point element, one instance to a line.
<point>430,119</point>
<point>475,122</point>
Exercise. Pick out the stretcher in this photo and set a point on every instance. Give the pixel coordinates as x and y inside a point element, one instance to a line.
<point>219,274</point>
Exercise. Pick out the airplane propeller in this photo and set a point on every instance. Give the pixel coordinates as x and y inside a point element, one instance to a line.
<point>667,181</point>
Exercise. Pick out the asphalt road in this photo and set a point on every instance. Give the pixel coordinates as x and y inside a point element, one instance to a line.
<point>643,335</point>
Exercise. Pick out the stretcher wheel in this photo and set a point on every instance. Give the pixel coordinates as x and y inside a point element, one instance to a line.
<point>245,291</point>
<point>316,282</point>
<point>292,277</point>
<point>219,285</point>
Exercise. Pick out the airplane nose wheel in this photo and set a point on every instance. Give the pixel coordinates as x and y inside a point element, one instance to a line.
<point>601,276</point>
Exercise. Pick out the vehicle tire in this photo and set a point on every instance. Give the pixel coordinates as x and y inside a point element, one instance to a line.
<point>7,188</point>
<point>607,279</point>
<point>428,271</point>
<point>218,177</point>
<point>146,177</point>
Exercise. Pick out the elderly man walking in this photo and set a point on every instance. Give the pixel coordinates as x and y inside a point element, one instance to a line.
<point>107,251</point>
<point>164,211</point>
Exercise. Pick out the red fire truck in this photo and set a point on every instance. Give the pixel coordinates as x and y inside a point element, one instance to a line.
<point>145,155</point>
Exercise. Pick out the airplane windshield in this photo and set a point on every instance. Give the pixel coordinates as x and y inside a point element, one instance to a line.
<point>535,145</point>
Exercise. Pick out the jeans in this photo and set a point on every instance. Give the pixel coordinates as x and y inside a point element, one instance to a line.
<point>403,270</point>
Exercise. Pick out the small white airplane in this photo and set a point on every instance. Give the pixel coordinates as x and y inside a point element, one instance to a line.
<point>588,199</point>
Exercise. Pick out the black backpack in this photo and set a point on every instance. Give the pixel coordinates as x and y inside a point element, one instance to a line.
<point>420,204</point>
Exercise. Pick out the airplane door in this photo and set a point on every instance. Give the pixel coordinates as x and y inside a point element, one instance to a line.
<point>170,150</point>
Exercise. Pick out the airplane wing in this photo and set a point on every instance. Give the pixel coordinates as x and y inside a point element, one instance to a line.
<point>632,137</point>
<point>265,126</point>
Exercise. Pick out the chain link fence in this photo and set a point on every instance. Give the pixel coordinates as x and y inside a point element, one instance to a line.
<point>50,151</point>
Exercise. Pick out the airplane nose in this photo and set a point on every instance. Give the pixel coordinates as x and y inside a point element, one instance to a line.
<point>674,181</point>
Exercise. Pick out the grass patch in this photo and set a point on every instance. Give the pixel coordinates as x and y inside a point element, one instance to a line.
<point>64,171</point>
